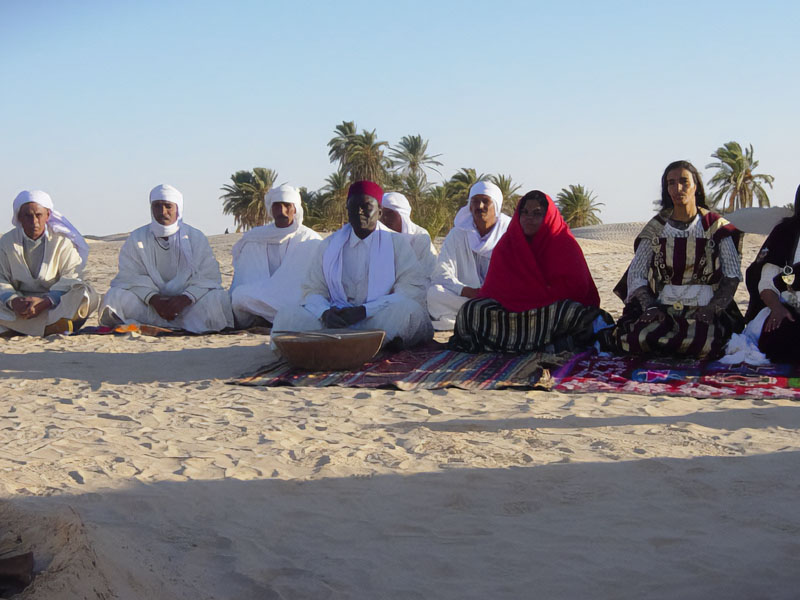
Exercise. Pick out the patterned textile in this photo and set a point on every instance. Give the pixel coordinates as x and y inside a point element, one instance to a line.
<point>590,372</point>
<point>426,368</point>
<point>483,325</point>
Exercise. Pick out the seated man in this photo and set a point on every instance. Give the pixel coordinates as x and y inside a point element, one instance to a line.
<point>168,276</point>
<point>41,261</point>
<point>270,262</point>
<point>464,257</point>
<point>396,215</point>
<point>364,277</point>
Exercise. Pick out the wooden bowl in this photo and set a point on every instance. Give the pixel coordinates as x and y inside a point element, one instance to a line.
<point>329,349</point>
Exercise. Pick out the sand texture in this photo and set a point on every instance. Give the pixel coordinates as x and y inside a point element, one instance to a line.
<point>132,470</point>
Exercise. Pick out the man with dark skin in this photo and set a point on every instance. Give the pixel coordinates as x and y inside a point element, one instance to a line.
<point>363,276</point>
<point>167,307</point>
<point>363,214</point>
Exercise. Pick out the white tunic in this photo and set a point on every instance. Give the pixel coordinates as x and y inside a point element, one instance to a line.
<point>458,266</point>
<point>184,264</point>
<point>400,312</point>
<point>270,265</point>
<point>58,276</point>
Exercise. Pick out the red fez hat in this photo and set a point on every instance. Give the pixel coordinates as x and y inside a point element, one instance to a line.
<point>369,188</point>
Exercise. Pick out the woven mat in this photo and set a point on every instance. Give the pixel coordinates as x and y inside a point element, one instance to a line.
<point>591,372</point>
<point>428,368</point>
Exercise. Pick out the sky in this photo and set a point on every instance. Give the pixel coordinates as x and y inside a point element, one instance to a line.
<point>101,101</point>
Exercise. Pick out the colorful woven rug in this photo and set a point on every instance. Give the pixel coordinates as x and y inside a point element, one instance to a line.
<point>591,372</point>
<point>427,368</point>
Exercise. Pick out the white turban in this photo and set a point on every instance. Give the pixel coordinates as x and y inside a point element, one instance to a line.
<point>399,203</point>
<point>465,221</point>
<point>57,222</point>
<point>167,193</point>
<point>289,195</point>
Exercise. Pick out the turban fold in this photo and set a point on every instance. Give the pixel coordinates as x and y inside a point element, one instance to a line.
<point>288,195</point>
<point>399,203</point>
<point>369,188</point>
<point>166,193</point>
<point>57,222</point>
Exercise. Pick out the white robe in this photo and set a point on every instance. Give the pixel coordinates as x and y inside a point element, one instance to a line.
<point>139,279</point>
<point>254,292</point>
<point>458,266</point>
<point>421,243</point>
<point>60,271</point>
<point>400,313</point>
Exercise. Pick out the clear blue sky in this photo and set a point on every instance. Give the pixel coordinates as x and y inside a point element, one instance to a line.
<point>103,100</point>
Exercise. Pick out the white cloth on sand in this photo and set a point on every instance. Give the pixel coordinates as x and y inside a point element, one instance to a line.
<point>144,260</point>
<point>58,273</point>
<point>397,306</point>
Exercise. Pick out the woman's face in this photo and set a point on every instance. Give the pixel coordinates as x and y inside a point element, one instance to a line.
<point>681,188</point>
<point>531,216</point>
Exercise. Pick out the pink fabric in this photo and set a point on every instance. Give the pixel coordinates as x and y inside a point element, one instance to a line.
<point>531,273</point>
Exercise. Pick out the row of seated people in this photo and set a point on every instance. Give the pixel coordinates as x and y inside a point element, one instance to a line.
<point>508,284</point>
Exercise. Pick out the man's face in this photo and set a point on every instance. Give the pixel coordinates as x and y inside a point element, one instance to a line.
<point>33,218</point>
<point>363,213</point>
<point>283,213</point>
<point>165,213</point>
<point>482,209</point>
<point>392,219</point>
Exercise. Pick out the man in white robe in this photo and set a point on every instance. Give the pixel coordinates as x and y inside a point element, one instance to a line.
<point>396,215</point>
<point>270,262</point>
<point>168,276</point>
<point>465,254</point>
<point>41,262</point>
<point>364,276</point>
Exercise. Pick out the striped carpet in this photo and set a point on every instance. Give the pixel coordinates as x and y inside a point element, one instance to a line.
<point>429,368</point>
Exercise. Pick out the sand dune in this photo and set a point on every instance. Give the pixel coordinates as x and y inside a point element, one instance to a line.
<point>133,470</point>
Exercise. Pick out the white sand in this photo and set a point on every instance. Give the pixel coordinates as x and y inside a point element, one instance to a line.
<point>133,471</point>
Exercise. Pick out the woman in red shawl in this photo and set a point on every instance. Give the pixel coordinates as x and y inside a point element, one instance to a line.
<point>538,293</point>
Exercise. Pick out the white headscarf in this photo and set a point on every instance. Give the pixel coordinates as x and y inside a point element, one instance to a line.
<point>166,193</point>
<point>399,203</point>
<point>57,222</point>
<point>289,195</point>
<point>465,221</point>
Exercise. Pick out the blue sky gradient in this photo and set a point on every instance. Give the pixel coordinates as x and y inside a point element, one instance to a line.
<point>104,100</point>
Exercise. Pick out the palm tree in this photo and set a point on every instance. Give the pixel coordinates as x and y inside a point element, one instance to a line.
<point>244,198</point>
<point>339,144</point>
<point>330,209</point>
<point>435,210</point>
<point>578,206</point>
<point>411,156</point>
<point>365,158</point>
<point>509,190</point>
<point>735,178</point>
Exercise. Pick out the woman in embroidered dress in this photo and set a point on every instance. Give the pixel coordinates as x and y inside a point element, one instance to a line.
<point>678,291</point>
<point>774,284</point>
<point>538,293</point>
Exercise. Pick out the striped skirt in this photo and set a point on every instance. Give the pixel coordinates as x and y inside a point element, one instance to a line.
<point>483,325</point>
<point>677,335</point>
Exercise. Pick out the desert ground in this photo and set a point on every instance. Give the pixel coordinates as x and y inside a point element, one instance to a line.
<point>133,470</point>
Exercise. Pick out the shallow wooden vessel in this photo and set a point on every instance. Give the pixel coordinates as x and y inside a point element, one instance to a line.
<point>329,349</point>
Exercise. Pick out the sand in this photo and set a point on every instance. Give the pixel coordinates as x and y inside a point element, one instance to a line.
<point>132,470</point>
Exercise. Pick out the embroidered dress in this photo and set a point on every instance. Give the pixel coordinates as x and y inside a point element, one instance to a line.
<point>683,270</point>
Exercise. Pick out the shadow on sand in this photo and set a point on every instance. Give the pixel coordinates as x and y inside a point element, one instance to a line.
<point>709,527</point>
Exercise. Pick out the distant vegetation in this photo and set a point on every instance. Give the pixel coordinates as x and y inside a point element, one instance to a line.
<point>735,180</point>
<point>406,166</point>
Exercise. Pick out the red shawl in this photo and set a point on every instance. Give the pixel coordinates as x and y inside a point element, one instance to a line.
<point>531,273</point>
